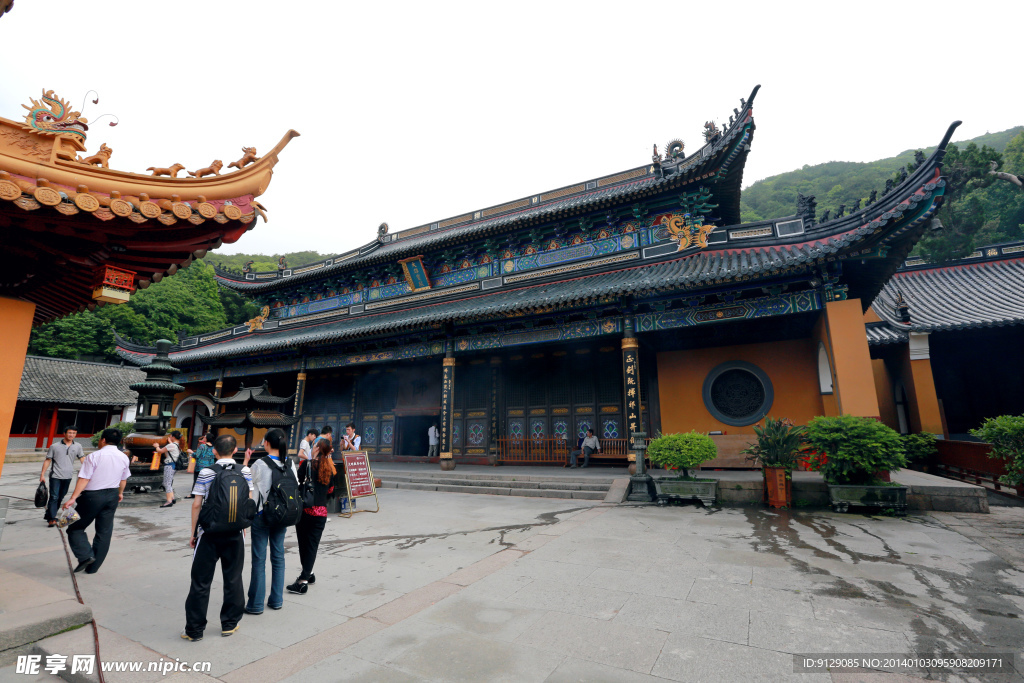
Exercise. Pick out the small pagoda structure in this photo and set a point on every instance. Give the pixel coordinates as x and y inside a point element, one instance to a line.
<point>153,415</point>
<point>252,408</point>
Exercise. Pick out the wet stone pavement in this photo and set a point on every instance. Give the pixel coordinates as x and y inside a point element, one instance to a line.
<point>456,587</point>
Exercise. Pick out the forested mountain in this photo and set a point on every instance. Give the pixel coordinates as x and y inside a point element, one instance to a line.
<point>190,302</point>
<point>979,209</point>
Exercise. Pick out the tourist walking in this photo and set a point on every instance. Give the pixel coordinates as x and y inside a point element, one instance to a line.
<point>204,458</point>
<point>268,473</point>
<point>171,452</point>
<point>220,491</point>
<point>60,458</point>
<point>589,445</point>
<point>99,489</point>
<point>433,440</point>
<point>310,528</point>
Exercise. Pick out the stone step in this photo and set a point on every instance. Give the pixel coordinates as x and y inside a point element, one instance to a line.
<point>500,483</point>
<point>497,491</point>
<point>22,627</point>
<point>115,648</point>
<point>496,476</point>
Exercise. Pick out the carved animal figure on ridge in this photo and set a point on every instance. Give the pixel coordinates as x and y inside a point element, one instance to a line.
<point>173,171</point>
<point>248,157</point>
<point>100,158</point>
<point>212,169</point>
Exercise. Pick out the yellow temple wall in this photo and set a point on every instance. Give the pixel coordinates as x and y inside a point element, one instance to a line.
<point>854,379</point>
<point>17,317</point>
<point>790,365</point>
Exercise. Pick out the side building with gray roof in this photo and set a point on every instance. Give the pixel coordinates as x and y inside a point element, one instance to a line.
<point>56,393</point>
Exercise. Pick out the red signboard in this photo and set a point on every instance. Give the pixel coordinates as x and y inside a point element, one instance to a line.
<point>357,469</point>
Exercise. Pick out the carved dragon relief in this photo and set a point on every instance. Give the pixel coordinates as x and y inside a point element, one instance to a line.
<point>681,228</point>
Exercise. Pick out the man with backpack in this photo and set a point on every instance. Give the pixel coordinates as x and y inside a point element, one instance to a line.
<point>278,506</point>
<point>221,509</point>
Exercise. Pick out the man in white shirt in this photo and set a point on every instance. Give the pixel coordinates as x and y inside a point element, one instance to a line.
<point>433,439</point>
<point>350,441</point>
<point>99,489</point>
<point>305,446</point>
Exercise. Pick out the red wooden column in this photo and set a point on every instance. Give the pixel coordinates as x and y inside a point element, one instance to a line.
<point>52,431</point>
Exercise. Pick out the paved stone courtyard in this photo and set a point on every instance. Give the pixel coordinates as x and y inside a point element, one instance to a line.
<point>455,587</point>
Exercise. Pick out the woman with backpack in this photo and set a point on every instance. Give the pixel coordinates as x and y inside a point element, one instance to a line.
<point>171,453</point>
<point>320,472</point>
<point>271,476</point>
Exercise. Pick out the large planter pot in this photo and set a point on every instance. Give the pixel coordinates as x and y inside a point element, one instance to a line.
<point>447,464</point>
<point>670,489</point>
<point>841,497</point>
<point>778,487</point>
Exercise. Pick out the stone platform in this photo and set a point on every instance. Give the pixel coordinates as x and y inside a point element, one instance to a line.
<point>735,487</point>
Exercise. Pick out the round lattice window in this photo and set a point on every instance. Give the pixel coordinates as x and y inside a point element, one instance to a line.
<point>738,393</point>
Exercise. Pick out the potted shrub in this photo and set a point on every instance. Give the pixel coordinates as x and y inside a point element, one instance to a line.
<point>683,452</point>
<point>777,449</point>
<point>1006,435</point>
<point>920,450</point>
<point>851,452</point>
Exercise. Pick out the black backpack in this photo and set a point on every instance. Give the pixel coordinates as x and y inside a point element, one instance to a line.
<point>227,506</point>
<point>283,506</point>
<point>182,462</point>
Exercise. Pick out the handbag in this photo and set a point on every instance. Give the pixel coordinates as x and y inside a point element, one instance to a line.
<point>42,497</point>
<point>306,490</point>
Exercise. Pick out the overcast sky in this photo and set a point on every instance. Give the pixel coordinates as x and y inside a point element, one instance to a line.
<point>415,112</point>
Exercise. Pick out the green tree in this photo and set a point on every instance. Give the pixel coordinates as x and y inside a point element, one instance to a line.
<point>963,213</point>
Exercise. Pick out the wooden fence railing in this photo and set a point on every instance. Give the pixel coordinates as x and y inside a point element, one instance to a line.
<point>553,451</point>
<point>970,461</point>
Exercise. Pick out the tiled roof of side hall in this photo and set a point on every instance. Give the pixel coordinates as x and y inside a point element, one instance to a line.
<point>728,149</point>
<point>55,380</point>
<point>985,289</point>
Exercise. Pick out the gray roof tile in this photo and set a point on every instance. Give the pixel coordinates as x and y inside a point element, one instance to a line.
<point>55,380</point>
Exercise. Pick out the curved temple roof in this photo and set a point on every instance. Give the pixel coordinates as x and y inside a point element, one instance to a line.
<point>719,162</point>
<point>871,243</point>
<point>65,216</point>
<point>985,289</point>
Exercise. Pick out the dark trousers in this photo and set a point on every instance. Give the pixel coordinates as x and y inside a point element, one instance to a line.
<point>587,450</point>
<point>229,548</point>
<point>99,505</point>
<point>309,530</point>
<point>58,489</point>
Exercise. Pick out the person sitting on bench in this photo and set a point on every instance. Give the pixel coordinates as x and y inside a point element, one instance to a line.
<point>587,445</point>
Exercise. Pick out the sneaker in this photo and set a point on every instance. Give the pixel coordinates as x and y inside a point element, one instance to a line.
<point>276,606</point>
<point>194,639</point>
<point>229,631</point>
<point>299,588</point>
<point>311,579</point>
<point>255,614</point>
